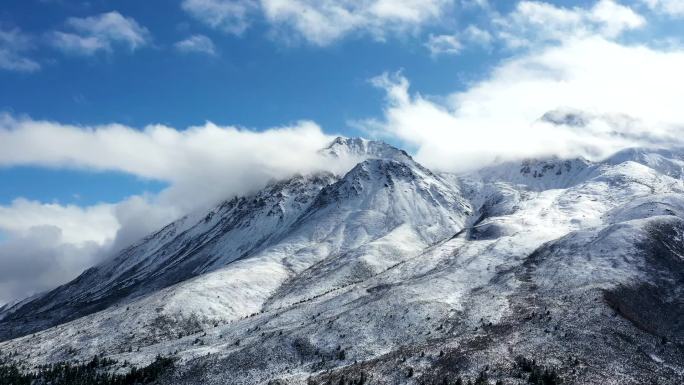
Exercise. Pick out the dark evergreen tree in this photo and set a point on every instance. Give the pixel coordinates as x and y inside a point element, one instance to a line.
<point>93,372</point>
<point>482,379</point>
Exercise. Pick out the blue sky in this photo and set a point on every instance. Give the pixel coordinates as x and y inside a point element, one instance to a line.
<point>254,80</point>
<point>118,116</point>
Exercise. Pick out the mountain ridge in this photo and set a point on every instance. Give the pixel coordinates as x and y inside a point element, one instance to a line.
<point>401,268</point>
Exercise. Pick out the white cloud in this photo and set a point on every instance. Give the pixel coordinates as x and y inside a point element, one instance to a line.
<point>48,243</point>
<point>100,33</point>
<point>443,45</point>
<point>320,22</point>
<point>532,22</point>
<point>233,159</point>
<point>477,36</point>
<point>202,165</point>
<point>454,44</point>
<point>232,16</point>
<point>196,44</point>
<point>670,7</point>
<point>39,260</point>
<point>629,95</point>
<point>85,45</point>
<point>78,225</point>
<point>324,21</point>
<point>13,46</point>
<point>614,18</point>
<point>483,4</point>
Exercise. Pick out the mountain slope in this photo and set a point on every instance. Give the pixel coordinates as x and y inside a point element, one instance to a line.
<point>393,269</point>
<point>278,232</point>
<point>188,247</point>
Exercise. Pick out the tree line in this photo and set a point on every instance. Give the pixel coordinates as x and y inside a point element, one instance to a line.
<point>98,371</point>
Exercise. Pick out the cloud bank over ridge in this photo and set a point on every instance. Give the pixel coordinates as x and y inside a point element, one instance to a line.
<point>627,95</point>
<point>202,166</point>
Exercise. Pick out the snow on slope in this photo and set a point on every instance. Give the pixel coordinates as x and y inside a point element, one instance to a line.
<point>537,174</point>
<point>190,246</point>
<point>400,267</point>
<point>358,149</point>
<point>455,287</point>
<point>668,162</point>
<point>380,201</point>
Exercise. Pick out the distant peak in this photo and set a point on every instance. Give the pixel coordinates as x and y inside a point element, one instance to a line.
<point>344,141</point>
<point>567,117</point>
<point>537,168</point>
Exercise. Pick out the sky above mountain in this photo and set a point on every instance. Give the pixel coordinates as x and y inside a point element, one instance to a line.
<point>117,117</point>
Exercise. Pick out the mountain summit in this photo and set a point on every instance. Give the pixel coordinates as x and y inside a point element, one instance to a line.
<point>361,148</point>
<point>392,273</point>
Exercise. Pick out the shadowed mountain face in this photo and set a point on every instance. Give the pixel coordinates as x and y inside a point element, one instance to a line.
<point>397,274</point>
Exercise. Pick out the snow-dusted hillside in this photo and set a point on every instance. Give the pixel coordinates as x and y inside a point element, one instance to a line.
<point>391,269</point>
<point>190,246</point>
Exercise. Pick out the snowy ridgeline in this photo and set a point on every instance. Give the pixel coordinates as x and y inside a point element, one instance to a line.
<point>390,270</point>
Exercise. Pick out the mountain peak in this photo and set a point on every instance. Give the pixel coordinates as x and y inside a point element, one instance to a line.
<point>315,272</point>
<point>360,148</point>
<point>567,117</point>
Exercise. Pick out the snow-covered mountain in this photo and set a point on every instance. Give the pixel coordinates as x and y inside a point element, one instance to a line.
<point>396,273</point>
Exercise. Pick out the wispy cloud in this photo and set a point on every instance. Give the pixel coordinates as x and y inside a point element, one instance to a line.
<point>478,36</point>
<point>456,43</point>
<point>673,8</point>
<point>320,22</point>
<point>231,16</point>
<point>103,32</point>
<point>14,45</point>
<point>444,45</point>
<point>196,44</point>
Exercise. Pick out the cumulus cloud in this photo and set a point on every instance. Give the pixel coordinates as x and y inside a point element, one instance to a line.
<point>13,47</point>
<point>88,35</point>
<point>77,225</point>
<point>39,260</point>
<point>320,22</point>
<point>629,96</point>
<point>196,44</point>
<point>48,243</point>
